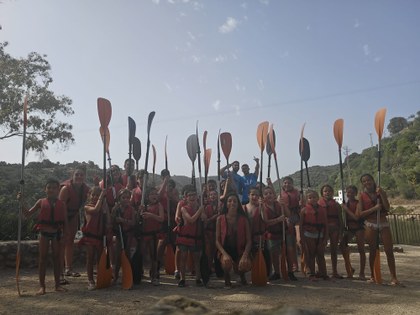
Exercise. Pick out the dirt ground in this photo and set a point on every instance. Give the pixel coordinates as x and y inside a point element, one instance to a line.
<point>332,296</point>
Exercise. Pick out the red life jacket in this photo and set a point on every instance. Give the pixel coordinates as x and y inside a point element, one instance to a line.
<point>189,234</point>
<point>314,219</point>
<point>352,223</point>
<point>92,228</point>
<point>333,209</point>
<point>275,231</point>
<point>210,211</point>
<point>76,197</point>
<point>291,198</point>
<point>51,216</point>
<point>136,197</point>
<point>124,213</point>
<point>110,194</point>
<point>368,203</point>
<point>257,224</point>
<point>151,226</point>
<point>241,223</point>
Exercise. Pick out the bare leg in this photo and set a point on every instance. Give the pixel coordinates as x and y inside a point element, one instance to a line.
<point>389,251</point>
<point>360,239</point>
<point>43,252</point>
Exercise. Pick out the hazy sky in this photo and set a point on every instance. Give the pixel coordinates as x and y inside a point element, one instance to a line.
<point>228,64</point>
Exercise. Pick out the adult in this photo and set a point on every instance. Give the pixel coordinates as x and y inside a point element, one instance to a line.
<point>238,182</point>
<point>128,170</point>
<point>233,239</point>
<point>74,194</point>
<point>371,200</point>
<point>249,179</point>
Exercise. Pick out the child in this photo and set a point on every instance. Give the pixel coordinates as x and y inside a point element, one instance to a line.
<point>189,238</point>
<point>152,216</point>
<point>212,212</point>
<point>52,218</point>
<point>372,200</point>
<point>291,197</point>
<point>274,213</point>
<point>123,217</point>
<point>355,227</point>
<point>97,217</point>
<point>233,239</point>
<point>334,224</point>
<point>314,234</point>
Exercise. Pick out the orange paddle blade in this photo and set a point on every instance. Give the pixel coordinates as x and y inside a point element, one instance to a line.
<point>169,260</point>
<point>302,263</point>
<point>377,268</point>
<point>259,270</point>
<point>262,132</point>
<point>338,132</point>
<point>104,273</point>
<point>379,122</point>
<point>272,139</point>
<point>127,273</point>
<point>105,134</point>
<point>104,111</point>
<point>226,144</point>
<point>207,157</point>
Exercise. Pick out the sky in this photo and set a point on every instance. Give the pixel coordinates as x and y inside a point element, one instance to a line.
<point>228,65</point>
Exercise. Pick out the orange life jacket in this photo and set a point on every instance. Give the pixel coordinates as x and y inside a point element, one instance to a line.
<point>92,228</point>
<point>76,197</point>
<point>151,226</point>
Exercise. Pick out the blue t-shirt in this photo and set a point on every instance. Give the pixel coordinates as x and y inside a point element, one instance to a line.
<point>239,182</point>
<point>249,181</point>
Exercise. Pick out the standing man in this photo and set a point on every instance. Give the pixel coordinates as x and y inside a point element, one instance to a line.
<point>238,181</point>
<point>250,179</point>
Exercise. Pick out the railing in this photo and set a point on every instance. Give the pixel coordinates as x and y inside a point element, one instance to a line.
<point>405,228</point>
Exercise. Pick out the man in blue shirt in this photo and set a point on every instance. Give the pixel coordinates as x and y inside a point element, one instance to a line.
<point>249,179</point>
<point>238,180</point>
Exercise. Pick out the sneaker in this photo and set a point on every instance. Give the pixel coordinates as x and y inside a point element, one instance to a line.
<point>155,281</point>
<point>292,276</point>
<point>181,283</point>
<point>177,276</point>
<point>274,276</point>
<point>91,286</point>
<point>198,283</point>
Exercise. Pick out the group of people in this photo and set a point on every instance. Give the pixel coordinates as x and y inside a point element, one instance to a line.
<point>230,221</point>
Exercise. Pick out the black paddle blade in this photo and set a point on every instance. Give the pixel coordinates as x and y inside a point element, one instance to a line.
<point>204,268</point>
<point>192,148</point>
<point>149,121</point>
<point>131,130</point>
<point>305,152</point>
<point>136,148</point>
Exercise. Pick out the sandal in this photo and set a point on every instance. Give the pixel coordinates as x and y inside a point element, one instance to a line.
<point>70,273</point>
<point>64,282</point>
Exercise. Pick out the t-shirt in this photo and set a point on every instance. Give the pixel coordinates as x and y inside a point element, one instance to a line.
<point>250,181</point>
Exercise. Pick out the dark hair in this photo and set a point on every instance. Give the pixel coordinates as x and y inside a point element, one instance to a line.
<point>255,189</point>
<point>371,177</point>
<point>52,181</point>
<point>123,192</point>
<point>325,186</point>
<point>288,178</point>
<point>354,188</point>
<point>239,208</point>
<point>311,191</point>
<point>187,189</point>
<point>165,172</point>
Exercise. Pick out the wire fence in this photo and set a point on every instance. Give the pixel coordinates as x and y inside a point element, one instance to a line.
<point>405,228</point>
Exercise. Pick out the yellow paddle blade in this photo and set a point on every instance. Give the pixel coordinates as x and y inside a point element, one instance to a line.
<point>338,131</point>
<point>127,273</point>
<point>379,122</point>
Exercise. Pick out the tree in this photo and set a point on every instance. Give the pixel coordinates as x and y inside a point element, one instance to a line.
<point>31,76</point>
<point>397,124</point>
